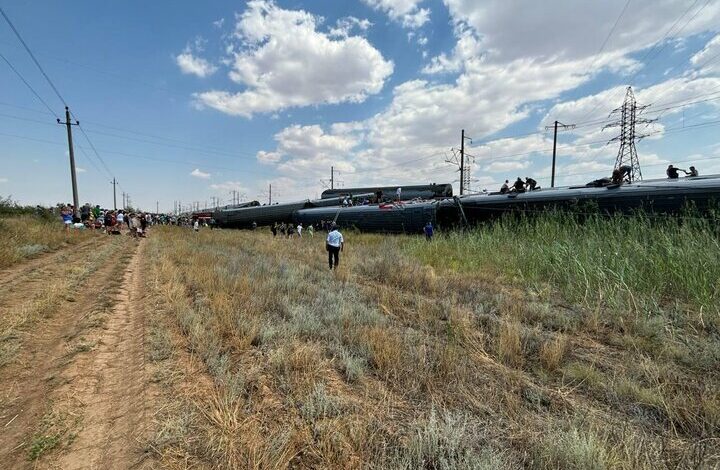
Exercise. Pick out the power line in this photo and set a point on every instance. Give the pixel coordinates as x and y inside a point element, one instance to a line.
<point>647,54</point>
<point>612,30</point>
<point>32,56</point>
<point>20,76</point>
<point>683,27</point>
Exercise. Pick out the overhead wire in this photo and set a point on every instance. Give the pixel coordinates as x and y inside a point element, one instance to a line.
<point>647,54</point>
<point>27,84</point>
<point>54,88</point>
<point>32,56</point>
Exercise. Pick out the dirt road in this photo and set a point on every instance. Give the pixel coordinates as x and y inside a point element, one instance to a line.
<point>74,388</point>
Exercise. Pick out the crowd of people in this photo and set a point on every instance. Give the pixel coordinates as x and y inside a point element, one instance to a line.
<point>111,221</point>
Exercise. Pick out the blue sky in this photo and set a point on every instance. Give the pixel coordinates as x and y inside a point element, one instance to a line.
<point>190,100</point>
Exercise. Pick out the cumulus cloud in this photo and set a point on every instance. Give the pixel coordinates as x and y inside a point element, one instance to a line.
<point>407,12</point>
<point>504,72</point>
<point>660,96</point>
<point>345,26</point>
<point>191,64</point>
<point>708,59</point>
<point>309,150</point>
<point>283,61</point>
<point>268,157</point>
<point>197,173</point>
<point>510,30</point>
<point>505,166</point>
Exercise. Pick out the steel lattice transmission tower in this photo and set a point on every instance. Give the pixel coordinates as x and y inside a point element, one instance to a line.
<point>629,117</point>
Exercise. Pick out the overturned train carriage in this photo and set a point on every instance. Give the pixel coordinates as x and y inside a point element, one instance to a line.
<point>421,191</point>
<point>659,196</point>
<point>656,196</point>
<point>260,215</point>
<point>389,218</point>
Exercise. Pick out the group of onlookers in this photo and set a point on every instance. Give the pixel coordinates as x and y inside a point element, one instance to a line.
<point>290,231</point>
<point>110,221</point>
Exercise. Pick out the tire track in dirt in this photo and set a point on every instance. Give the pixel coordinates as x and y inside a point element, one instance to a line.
<point>27,380</point>
<point>112,385</point>
<point>45,261</point>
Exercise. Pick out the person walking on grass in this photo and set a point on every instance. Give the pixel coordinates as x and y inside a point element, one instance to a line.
<point>311,230</point>
<point>334,245</point>
<point>299,230</point>
<point>196,225</point>
<point>428,231</point>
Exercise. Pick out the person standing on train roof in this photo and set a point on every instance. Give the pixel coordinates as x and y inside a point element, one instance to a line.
<point>398,193</point>
<point>334,244</point>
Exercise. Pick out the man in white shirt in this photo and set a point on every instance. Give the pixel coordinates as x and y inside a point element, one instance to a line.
<point>299,230</point>
<point>398,193</point>
<point>334,245</point>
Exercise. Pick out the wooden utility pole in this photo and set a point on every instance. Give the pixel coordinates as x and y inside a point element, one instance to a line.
<point>114,183</point>
<point>73,176</point>
<point>555,127</point>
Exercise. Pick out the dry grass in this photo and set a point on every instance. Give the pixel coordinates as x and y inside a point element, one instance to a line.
<point>27,236</point>
<point>271,361</point>
<point>552,352</point>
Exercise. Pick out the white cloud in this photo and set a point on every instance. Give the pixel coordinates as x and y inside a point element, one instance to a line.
<point>467,48</point>
<point>283,61</point>
<point>268,157</point>
<point>309,150</point>
<point>4,180</point>
<point>80,170</point>
<point>416,19</point>
<point>505,166</point>
<point>219,23</point>
<point>509,30</point>
<point>192,65</point>
<point>505,71</point>
<point>197,173</point>
<point>407,12</point>
<point>662,95</point>
<point>345,26</point>
<point>708,59</point>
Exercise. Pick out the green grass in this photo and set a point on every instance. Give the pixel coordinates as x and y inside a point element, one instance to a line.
<point>639,264</point>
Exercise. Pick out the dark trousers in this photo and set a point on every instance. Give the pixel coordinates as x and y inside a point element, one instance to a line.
<point>333,252</point>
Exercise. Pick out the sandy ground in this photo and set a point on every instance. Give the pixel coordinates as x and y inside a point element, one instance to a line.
<point>74,387</point>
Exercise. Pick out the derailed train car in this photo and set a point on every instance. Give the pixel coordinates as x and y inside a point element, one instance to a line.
<point>659,196</point>
<point>417,191</point>
<point>260,215</point>
<point>668,196</point>
<point>388,218</point>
